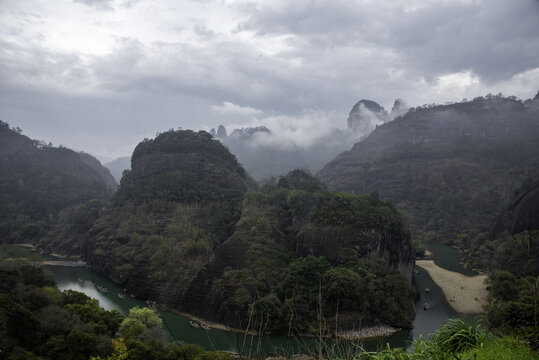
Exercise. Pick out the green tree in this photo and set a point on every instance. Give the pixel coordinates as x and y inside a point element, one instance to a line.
<point>80,344</point>
<point>139,320</point>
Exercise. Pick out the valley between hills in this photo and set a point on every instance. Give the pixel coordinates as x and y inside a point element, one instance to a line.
<point>192,231</point>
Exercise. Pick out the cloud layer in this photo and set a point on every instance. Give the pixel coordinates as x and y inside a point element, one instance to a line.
<point>99,75</point>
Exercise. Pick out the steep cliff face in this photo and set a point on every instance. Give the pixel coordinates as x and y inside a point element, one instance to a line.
<point>399,108</point>
<point>513,237</point>
<point>450,168</point>
<point>366,115</point>
<point>522,213</point>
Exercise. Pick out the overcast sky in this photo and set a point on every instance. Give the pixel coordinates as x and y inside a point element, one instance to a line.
<point>100,75</point>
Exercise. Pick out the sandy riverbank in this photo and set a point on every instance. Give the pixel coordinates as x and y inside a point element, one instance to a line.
<point>465,294</point>
<point>62,263</point>
<point>210,324</point>
<point>30,246</point>
<point>362,334</point>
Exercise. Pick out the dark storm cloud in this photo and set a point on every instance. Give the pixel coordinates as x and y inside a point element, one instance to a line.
<point>36,66</point>
<point>225,72</point>
<point>494,39</point>
<point>294,65</point>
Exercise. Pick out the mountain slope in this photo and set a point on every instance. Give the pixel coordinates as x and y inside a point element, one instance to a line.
<point>173,208</point>
<point>522,214</point>
<point>37,181</point>
<point>117,167</point>
<point>450,168</point>
<point>188,229</point>
<point>295,236</point>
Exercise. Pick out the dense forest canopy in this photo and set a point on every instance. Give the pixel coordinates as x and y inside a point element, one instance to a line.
<point>188,229</point>
<point>450,168</point>
<point>39,183</point>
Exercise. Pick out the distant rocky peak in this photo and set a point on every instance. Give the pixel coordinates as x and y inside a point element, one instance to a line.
<point>366,115</point>
<point>533,104</point>
<point>249,131</point>
<point>370,105</point>
<point>221,132</point>
<point>400,107</point>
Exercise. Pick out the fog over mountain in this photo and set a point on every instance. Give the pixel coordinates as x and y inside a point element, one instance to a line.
<point>448,167</point>
<point>275,145</point>
<point>298,177</point>
<point>118,166</point>
<point>100,76</point>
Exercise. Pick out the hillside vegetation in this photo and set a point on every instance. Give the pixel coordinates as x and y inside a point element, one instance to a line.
<point>38,321</point>
<point>189,230</point>
<point>450,168</point>
<point>40,184</point>
<point>298,249</point>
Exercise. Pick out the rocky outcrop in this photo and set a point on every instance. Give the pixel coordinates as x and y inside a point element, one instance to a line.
<point>365,116</point>
<point>221,132</point>
<point>399,108</point>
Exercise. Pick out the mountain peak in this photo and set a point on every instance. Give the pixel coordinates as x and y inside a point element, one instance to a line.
<point>400,107</point>
<point>184,165</point>
<point>366,115</point>
<point>221,132</point>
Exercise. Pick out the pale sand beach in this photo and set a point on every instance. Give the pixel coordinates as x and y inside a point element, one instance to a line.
<point>465,294</point>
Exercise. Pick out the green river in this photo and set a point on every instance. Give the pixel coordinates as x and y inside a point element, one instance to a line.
<point>179,328</point>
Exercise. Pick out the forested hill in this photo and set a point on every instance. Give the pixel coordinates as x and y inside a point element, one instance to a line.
<point>177,204</point>
<point>513,240</point>
<point>190,229</point>
<point>522,213</point>
<point>38,181</point>
<point>184,165</point>
<point>450,168</point>
<point>117,166</point>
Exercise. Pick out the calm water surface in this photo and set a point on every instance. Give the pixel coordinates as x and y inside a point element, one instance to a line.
<point>179,328</point>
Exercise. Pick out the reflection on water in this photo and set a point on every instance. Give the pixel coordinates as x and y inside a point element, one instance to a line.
<point>448,258</point>
<point>178,326</point>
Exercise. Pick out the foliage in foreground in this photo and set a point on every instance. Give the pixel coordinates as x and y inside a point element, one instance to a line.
<point>513,306</point>
<point>290,240</point>
<point>457,340</point>
<point>452,337</point>
<point>37,321</point>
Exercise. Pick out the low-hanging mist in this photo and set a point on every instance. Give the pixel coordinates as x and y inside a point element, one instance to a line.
<point>273,145</point>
